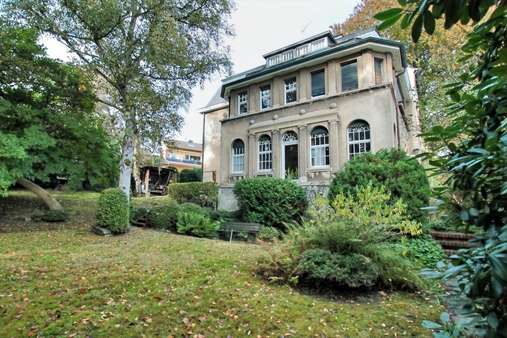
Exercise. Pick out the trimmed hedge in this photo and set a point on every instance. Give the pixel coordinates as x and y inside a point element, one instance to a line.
<point>190,175</point>
<point>113,211</point>
<point>270,201</point>
<point>204,194</point>
<point>158,212</point>
<point>401,175</point>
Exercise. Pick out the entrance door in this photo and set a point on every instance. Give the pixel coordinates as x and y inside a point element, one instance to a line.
<point>291,161</point>
<point>290,155</point>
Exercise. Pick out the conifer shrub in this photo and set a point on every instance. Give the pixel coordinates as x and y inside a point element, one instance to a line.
<point>401,175</point>
<point>113,211</point>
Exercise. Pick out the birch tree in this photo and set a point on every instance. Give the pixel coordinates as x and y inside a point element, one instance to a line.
<point>149,53</point>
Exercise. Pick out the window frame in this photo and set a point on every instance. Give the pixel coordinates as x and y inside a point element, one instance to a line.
<point>344,64</point>
<point>365,141</point>
<point>285,89</point>
<point>327,159</point>
<point>270,96</point>
<point>323,71</point>
<point>237,155</point>
<point>264,152</point>
<point>240,102</point>
<point>380,79</point>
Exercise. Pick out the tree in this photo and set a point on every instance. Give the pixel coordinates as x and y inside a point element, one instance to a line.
<point>436,56</point>
<point>473,156</point>
<point>150,53</point>
<point>49,125</point>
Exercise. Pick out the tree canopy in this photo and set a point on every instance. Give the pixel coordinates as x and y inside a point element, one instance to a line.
<point>148,54</point>
<point>49,124</point>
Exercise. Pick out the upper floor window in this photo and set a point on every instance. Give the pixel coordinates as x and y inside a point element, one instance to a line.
<point>238,156</point>
<point>290,90</point>
<point>379,70</point>
<point>243,103</point>
<point>265,95</point>
<point>349,75</point>
<point>319,147</point>
<point>318,83</point>
<point>265,153</point>
<point>359,138</point>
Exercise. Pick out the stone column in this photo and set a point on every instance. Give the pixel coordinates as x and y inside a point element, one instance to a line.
<point>303,152</point>
<point>276,148</point>
<point>334,147</point>
<point>252,155</point>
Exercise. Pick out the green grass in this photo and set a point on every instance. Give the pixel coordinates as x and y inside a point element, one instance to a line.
<point>66,281</point>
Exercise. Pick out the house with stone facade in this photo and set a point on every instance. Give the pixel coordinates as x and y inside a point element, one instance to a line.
<point>311,107</point>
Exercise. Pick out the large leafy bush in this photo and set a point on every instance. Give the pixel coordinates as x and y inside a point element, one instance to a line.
<point>347,245</point>
<point>196,221</point>
<point>270,201</point>
<point>157,212</point>
<point>113,211</point>
<point>423,250</point>
<point>402,176</point>
<point>203,193</point>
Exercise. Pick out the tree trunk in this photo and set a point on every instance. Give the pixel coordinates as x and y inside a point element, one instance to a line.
<point>147,183</point>
<point>49,200</point>
<point>127,157</point>
<point>138,162</point>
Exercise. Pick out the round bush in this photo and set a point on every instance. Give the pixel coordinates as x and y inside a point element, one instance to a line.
<point>402,176</point>
<point>268,234</point>
<point>113,211</point>
<point>164,216</point>
<point>270,201</point>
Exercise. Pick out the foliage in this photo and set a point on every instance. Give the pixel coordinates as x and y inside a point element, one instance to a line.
<point>113,211</point>
<point>49,126</point>
<point>203,193</point>
<point>157,212</point>
<point>190,175</point>
<point>269,234</point>
<point>194,220</point>
<point>55,216</point>
<point>473,154</point>
<point>402,176</point>
<point>435,57</point>
<point>352,231</point>
<point>147,55</point>
<point>270,201</point>
<point>423,250</point>
<point>351,270</point>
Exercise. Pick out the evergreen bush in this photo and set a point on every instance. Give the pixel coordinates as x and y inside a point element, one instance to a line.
<point>113,211</point>
<point>204,194</point>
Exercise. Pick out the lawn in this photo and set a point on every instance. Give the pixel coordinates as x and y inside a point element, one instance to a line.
<point>64,281</point>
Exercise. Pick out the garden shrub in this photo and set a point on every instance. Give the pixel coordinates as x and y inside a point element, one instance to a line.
<point>190,175</point>
<point>270,201</point>
<point>356,236</point>
<point>54,216</point>
<point>157,212</point>
<point>204,194</point>
<point>268,234</point>
<point>423,250</point>
<point>113,211</point>
<point>402,176</point>
<point>194,220</point>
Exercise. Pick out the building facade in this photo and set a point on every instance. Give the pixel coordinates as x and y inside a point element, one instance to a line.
<point>309,109</point>
<point>182,155</point>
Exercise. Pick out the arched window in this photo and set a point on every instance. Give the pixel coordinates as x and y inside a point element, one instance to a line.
<point>265,153</point>
<point>319,147</point>
<point>359,138</point>
<point>238,157</point>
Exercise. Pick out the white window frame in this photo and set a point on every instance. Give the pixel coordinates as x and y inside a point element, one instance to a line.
<point>263,152</point>
<point>321,148</point>
<point>270,97</point>
<point>361,142</point>
<point>295,89</point>
<point>240,102</point>
<point>239,156</point>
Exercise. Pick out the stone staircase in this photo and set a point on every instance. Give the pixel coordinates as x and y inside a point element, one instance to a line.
<point>453,241</point>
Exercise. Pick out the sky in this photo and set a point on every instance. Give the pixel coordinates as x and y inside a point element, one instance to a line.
<point>260,26</point>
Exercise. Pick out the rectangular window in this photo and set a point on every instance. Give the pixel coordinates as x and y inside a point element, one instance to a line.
<point>243,103</point>
<point>318,83</point>
<point>265,94</point>
<point>290,90</point>
<point>379,70</point>
<point>349,75</point>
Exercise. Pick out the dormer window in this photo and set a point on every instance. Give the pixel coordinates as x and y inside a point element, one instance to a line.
<point>243,103</point>
<point>291,90</point>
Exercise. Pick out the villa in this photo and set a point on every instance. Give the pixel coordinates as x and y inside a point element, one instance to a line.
<point>311,107</point>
